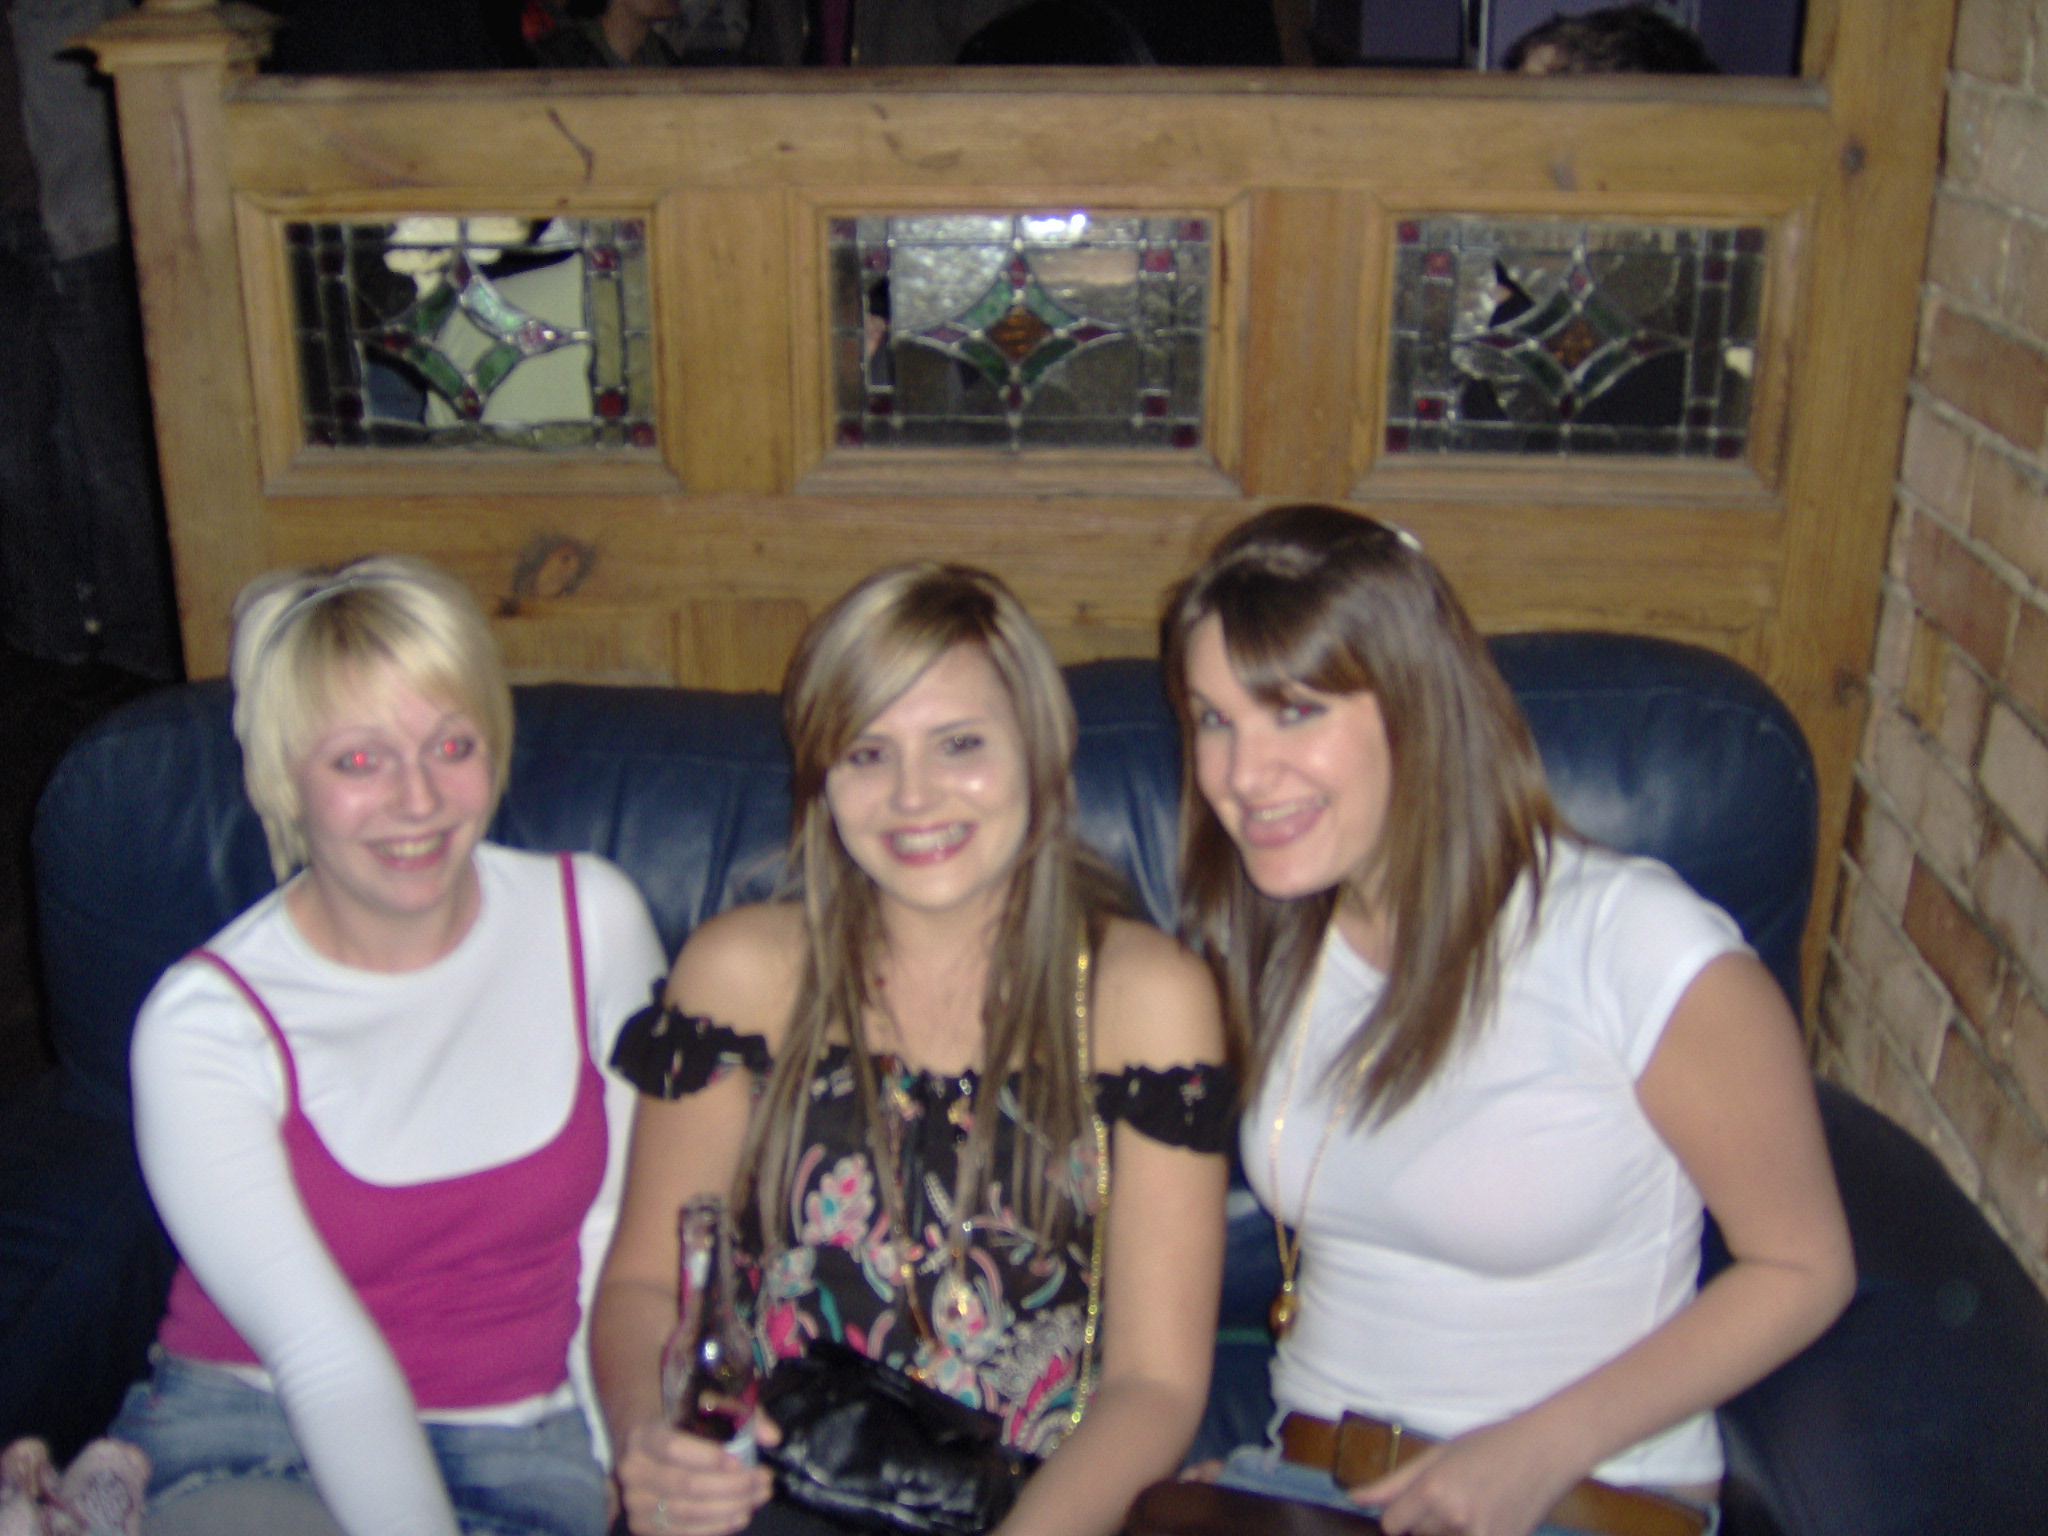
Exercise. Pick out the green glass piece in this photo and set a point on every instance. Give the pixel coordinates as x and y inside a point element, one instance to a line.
<point>991,363</point>
<point>1034,367</point>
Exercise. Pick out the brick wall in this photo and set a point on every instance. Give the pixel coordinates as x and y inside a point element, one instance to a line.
<point>1935,999</point>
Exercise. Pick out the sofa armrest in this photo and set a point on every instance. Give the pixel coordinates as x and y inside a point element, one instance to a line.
<point>84,1268</point>
<point>1925,1408</point>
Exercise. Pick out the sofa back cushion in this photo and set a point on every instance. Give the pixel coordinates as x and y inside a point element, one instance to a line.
<point>145,846</point>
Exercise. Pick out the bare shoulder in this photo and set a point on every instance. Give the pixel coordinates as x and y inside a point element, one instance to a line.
<point>742,968</point>
<point>1155,1003</point>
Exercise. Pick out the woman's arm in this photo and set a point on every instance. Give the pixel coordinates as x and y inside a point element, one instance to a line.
<point>1163,1259</point>
<point>1729,1091</point>
<point>208,1100</point>
<point>740,970</point>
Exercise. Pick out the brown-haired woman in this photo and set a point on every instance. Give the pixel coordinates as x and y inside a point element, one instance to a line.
<point>913,1007</point>
<point>1496,1070</point>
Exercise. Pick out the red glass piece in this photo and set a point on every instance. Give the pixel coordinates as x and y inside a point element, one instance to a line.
<point>604,258</point>
<point>1154,405</point>
<point>1185,436</point>
<point>1397,439</point>
<point>1438,264</point>
<point>611,404</point>
<point>1157,261</point>
<point>850,434</point>
<point>1408,232</point>
<point>641,434</point>
<point>1714,270</point>
<point>1429,408</point>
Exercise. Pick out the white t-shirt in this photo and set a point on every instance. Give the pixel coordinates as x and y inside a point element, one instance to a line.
<point>1519,1222</point>
<point>465,1064</point>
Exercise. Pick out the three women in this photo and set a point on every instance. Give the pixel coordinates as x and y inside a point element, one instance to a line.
<point>1496,1071</point>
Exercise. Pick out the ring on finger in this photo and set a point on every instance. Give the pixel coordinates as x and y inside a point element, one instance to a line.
<point>661,1514</point>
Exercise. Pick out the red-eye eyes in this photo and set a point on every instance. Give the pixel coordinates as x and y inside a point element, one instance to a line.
<point>454,749</point>
<point>361,760</point>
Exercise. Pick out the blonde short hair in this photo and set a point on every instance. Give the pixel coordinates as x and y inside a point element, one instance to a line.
<point>306,635</point>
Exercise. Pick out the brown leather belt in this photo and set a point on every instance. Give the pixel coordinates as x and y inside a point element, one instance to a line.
<point>1359,1450</point>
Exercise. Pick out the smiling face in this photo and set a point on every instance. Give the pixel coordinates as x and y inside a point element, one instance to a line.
<point>1301,786</point>
<point>395,789</point>
<point>931,799</point>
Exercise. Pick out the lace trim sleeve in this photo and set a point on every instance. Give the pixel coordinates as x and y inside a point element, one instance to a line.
<point>1187,1106</point>
<point>669,1054</point>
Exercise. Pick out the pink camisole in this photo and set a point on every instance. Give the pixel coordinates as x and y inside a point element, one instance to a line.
<point>472,1279</point>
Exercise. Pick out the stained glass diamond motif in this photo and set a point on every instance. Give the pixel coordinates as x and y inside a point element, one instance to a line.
<point>433,332</point>
<point>1559,337</point>
<point>963,330</point>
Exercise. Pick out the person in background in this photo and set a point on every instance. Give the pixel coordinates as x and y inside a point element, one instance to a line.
<point>1498,1073</point>
<point>369,1109</point>
<point>642,34</point>
<point>907,1074</point>
<point>84,573</point>
<point>1633,39</point>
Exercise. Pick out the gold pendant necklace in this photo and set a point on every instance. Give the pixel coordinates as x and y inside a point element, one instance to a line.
<point>1286,1305</point>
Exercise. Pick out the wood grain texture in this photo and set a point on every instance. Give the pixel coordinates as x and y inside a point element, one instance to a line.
<point>702,559</point>
<point>188,270</point>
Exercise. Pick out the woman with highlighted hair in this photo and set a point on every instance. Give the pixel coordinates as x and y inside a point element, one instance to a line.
<point>907,1075</point>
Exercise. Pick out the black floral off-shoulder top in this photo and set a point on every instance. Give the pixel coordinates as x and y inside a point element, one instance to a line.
<point>1008,1320</point>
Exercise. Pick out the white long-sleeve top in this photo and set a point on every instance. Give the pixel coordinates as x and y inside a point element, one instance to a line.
<point>466,1064</point>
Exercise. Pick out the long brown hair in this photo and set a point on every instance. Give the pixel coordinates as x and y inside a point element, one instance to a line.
<point>859,657</point>
<point>1317,597</point>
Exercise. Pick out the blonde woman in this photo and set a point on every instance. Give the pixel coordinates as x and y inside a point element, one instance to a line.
<point>1497,1071</point>
<point>901,1035</point>
<point>369,1109</point>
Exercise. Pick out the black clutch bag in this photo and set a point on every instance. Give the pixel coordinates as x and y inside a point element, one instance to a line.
<point>867,1445</point>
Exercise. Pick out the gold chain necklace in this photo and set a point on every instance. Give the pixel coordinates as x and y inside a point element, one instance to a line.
<point>1280,1317</point>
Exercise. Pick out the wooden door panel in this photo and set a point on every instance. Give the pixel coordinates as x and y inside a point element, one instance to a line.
<point>703,550</point>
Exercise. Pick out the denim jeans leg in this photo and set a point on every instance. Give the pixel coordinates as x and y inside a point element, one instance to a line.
<point>1261,1469</point>
<point>536,1480</point>
<point>201,1425</point>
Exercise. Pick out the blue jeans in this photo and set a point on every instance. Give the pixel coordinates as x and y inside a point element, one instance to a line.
<point>1260,1469</point>
<point>200,1425</point>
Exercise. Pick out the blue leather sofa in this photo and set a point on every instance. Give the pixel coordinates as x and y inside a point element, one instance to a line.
<point>1924,1410</point>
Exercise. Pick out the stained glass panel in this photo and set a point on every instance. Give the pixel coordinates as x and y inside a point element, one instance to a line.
<point>1560,337</point>
<point>980,330</point>
<point>431,332</point>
